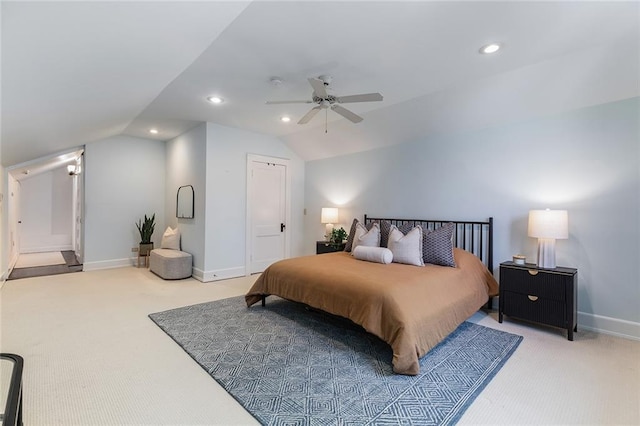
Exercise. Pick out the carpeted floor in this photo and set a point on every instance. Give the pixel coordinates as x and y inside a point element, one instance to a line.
<point>287,364</point>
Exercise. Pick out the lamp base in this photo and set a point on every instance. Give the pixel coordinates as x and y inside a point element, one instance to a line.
<point>547,253</point>
<point>328,229</point>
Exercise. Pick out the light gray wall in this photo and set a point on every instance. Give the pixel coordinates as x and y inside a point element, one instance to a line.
<point>227,150</point>
<point>585,161</point>
<point>213,159</point>
<point>124,180</point>
<point>186,165</point>
<point>46,212</point>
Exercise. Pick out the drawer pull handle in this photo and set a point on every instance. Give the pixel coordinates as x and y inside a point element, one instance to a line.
<point>533,271</point>
<point>532,298</point>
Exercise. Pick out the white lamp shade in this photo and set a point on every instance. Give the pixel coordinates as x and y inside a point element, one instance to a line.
<point>329,215</point>
<point>549,224</point>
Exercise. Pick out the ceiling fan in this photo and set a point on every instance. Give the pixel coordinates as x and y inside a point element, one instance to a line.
<point>324,99</point>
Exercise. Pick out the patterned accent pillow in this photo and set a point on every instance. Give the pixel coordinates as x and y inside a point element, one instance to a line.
<point>362,237</point>
<point>352,232</point>
<point>385,229</point>
<point>437,246</point>
<point>406,248</point>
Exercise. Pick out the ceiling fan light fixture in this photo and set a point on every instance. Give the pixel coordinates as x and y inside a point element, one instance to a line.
<point>490,48</point>
<point>215,99</point>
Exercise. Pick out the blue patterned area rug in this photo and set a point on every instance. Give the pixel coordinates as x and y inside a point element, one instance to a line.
<point>290,365</point>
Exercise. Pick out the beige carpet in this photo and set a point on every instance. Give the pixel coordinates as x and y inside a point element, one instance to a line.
<point>29,260</point>
<point>92,357</point>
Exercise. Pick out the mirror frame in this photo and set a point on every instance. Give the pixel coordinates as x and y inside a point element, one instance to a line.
<point>187,212</point>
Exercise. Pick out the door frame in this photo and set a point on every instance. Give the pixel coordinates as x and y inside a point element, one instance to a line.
<point>255,158</point>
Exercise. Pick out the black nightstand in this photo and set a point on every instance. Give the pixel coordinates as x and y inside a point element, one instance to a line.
<point>327,247</point>
<point>546,296</point>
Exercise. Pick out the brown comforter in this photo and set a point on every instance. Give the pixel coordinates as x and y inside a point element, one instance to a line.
<point>411,308</point>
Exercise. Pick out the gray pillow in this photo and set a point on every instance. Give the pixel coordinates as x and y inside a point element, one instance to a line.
<point>437,246</point>
<point>385,229</point>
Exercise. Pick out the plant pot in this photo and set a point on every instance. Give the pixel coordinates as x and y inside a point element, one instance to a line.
<point>145,249</point>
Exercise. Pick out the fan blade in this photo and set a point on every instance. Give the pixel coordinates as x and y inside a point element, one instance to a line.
<point>353,117</point>
<point>288,102</point>
<point>365,97</point>
<point>318,87</point>
<point>308,116</point>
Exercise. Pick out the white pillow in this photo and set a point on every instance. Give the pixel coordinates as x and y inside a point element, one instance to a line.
<point>171,239</point>
<point>366,238</point>
<point>406,248</point>
<point>373,254</point>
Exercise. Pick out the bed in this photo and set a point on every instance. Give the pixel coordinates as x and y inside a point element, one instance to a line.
<point>411,308</point>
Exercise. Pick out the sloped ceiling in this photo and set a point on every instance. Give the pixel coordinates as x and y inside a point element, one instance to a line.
<point>73,73</point>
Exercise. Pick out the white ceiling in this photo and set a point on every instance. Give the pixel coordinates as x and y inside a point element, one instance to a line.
<point>76,72</point>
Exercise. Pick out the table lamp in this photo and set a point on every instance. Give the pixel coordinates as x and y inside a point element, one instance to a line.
<point>548,226</point>
<point>329,216</point>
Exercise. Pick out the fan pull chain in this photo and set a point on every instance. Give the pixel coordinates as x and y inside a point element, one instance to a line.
<point>326,113</point>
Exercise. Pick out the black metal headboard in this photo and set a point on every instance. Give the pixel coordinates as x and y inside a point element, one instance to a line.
<point>473,236</point>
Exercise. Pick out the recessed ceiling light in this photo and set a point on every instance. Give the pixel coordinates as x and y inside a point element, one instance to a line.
<point>215,99</point>
<point>490,48</point>
<point>153,131</point>
<point>285,119</point>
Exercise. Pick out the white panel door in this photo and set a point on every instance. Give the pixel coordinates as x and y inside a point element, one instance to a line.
<point>267,214</point>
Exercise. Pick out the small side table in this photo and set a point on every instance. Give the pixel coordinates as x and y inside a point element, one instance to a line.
<point>545,296</point>
<point>144,259</point>
<point>327,247</point>
<point>144,251</point>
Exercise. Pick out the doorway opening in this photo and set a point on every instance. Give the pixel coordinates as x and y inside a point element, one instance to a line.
<point>45,217</point>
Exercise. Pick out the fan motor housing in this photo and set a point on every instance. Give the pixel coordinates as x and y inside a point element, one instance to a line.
<point>330,98</point>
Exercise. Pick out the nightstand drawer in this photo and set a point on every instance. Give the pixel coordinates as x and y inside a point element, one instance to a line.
<point>534,308</point>
<point>327,247</point>
<point>533,282</point>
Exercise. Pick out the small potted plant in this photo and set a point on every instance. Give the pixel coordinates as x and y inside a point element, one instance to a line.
<point>146,229</point>
<point>337,237</point>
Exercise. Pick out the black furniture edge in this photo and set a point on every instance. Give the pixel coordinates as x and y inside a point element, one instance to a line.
<point>13,411</point>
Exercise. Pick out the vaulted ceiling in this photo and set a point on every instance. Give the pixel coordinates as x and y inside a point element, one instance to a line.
<point>77,72</point>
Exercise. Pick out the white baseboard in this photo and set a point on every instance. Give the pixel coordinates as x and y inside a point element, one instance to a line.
<point>219,274</point>
<point>607,325</point>
<point>45,249</point>
<point>108,264</point>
